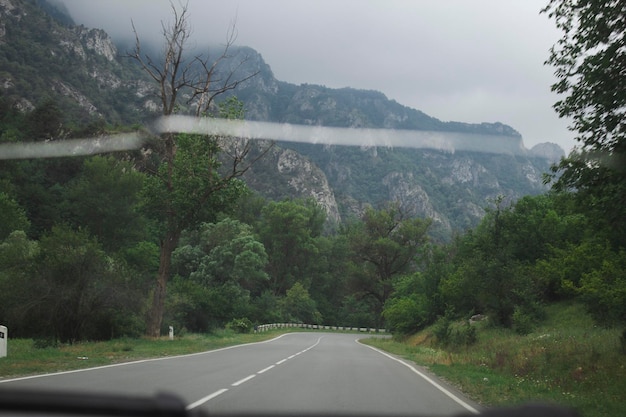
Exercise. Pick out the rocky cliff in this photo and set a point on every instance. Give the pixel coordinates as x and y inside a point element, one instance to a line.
<point>42,56</point>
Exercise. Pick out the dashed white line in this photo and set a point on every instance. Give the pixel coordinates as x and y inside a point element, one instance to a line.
<point>205,399</point>
<point>266,369</point>
<point>248,378</point>
<point>241,381</point>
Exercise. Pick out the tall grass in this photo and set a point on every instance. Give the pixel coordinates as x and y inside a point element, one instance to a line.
<point>566,360</point>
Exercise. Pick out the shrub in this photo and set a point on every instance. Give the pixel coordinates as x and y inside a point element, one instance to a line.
<point>453,334</point>
<point>242,325</point>
<point>462,334</point>
<point>45,342</point>
<point>522,322</point>
<point>442,330</point>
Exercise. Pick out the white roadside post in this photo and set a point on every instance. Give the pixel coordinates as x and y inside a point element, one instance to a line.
<point>4,335</point>
<point>171,332</point>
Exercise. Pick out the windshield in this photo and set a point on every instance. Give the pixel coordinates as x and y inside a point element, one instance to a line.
<point>408,208</point>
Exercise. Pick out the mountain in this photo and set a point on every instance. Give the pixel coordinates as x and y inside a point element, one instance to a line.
<point>43,56</point>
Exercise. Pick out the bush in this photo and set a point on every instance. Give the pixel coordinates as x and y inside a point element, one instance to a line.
<point>240,325</point>
<point>405,315</point>
<point>526,317</point>
<point>45,343</point>
<point>522,322</point>
<point>452,334</point>
<point>442,329</point>
<point>463,334</point>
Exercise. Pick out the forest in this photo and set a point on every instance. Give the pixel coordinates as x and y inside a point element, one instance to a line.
<point>81,237</point>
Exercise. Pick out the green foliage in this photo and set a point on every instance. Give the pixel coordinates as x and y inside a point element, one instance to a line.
<point>383,246</point>
<point>358,312</point>
<point>589,66</point>
<point>240,325</point>
<point>288,231</point>
<point>521,322</point>
<point>104,198</point>
<point>190,185</point>
<point>298,307</point>
<point>410,307</point>
<point>603,290</point>
<point>12,216</point>
<point>221,267</point>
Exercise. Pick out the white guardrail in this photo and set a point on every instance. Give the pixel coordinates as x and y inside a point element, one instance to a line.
<point>266,327</point>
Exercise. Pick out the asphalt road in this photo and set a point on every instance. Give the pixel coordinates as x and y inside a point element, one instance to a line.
<point>294,373</point>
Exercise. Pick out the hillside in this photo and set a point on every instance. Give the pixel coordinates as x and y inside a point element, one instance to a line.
<point>44,57</point>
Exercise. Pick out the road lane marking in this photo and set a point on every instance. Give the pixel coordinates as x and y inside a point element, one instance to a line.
<point>249,377</point>
<point>266,369</point>
<point>427,378</point>
<point>115,365</point>
<point>205,399</point>
<point>241,381</point>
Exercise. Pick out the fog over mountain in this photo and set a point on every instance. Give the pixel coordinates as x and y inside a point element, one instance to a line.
<point>471,62</point>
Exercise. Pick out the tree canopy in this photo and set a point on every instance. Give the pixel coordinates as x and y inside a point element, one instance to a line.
<point>590,63</point>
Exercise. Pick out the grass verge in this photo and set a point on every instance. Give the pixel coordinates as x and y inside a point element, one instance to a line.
<point>25,358</point>
<point>565,360</point>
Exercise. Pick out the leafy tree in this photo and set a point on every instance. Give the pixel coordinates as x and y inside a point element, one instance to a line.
<point>329,276</point>
<point>45,122</point>
<point>604,290</point>
<point>590,62</point>
<point>288,231</point>
<point>357,311</point>
<point>219,267</point>
<point>104,198</point>
<point>384,245</point>
<point>225,251</point>
<point>77,291</point>
<point>408,309</point>
<point>18,258</point>
<point>417,298</point>
<point>488,278</point>
<point>297,306</point>
<point>12,216</point>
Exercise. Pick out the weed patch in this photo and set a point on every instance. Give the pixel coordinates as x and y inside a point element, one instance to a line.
<point>566,359</point>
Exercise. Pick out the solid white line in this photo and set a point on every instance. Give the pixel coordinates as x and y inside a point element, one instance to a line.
<point>241,381</point>
<point>266,369</point>
<point>427,378</point>
<point>205,399</point>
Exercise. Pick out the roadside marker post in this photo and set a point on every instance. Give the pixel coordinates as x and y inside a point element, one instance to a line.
<point>4,336</point>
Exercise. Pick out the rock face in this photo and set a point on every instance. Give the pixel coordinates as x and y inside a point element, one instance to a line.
<point>78,65</point>
<point>285,172</point>
<point>548,150</point>
<point>452,189</point>
<point>82,69</point>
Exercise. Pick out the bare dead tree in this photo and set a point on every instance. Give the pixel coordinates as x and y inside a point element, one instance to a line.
<point>175,73</point>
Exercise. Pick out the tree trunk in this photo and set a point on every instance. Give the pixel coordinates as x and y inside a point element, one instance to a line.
<point>155,317</point>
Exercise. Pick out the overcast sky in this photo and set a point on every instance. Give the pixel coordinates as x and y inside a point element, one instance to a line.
<point>463,60</point>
